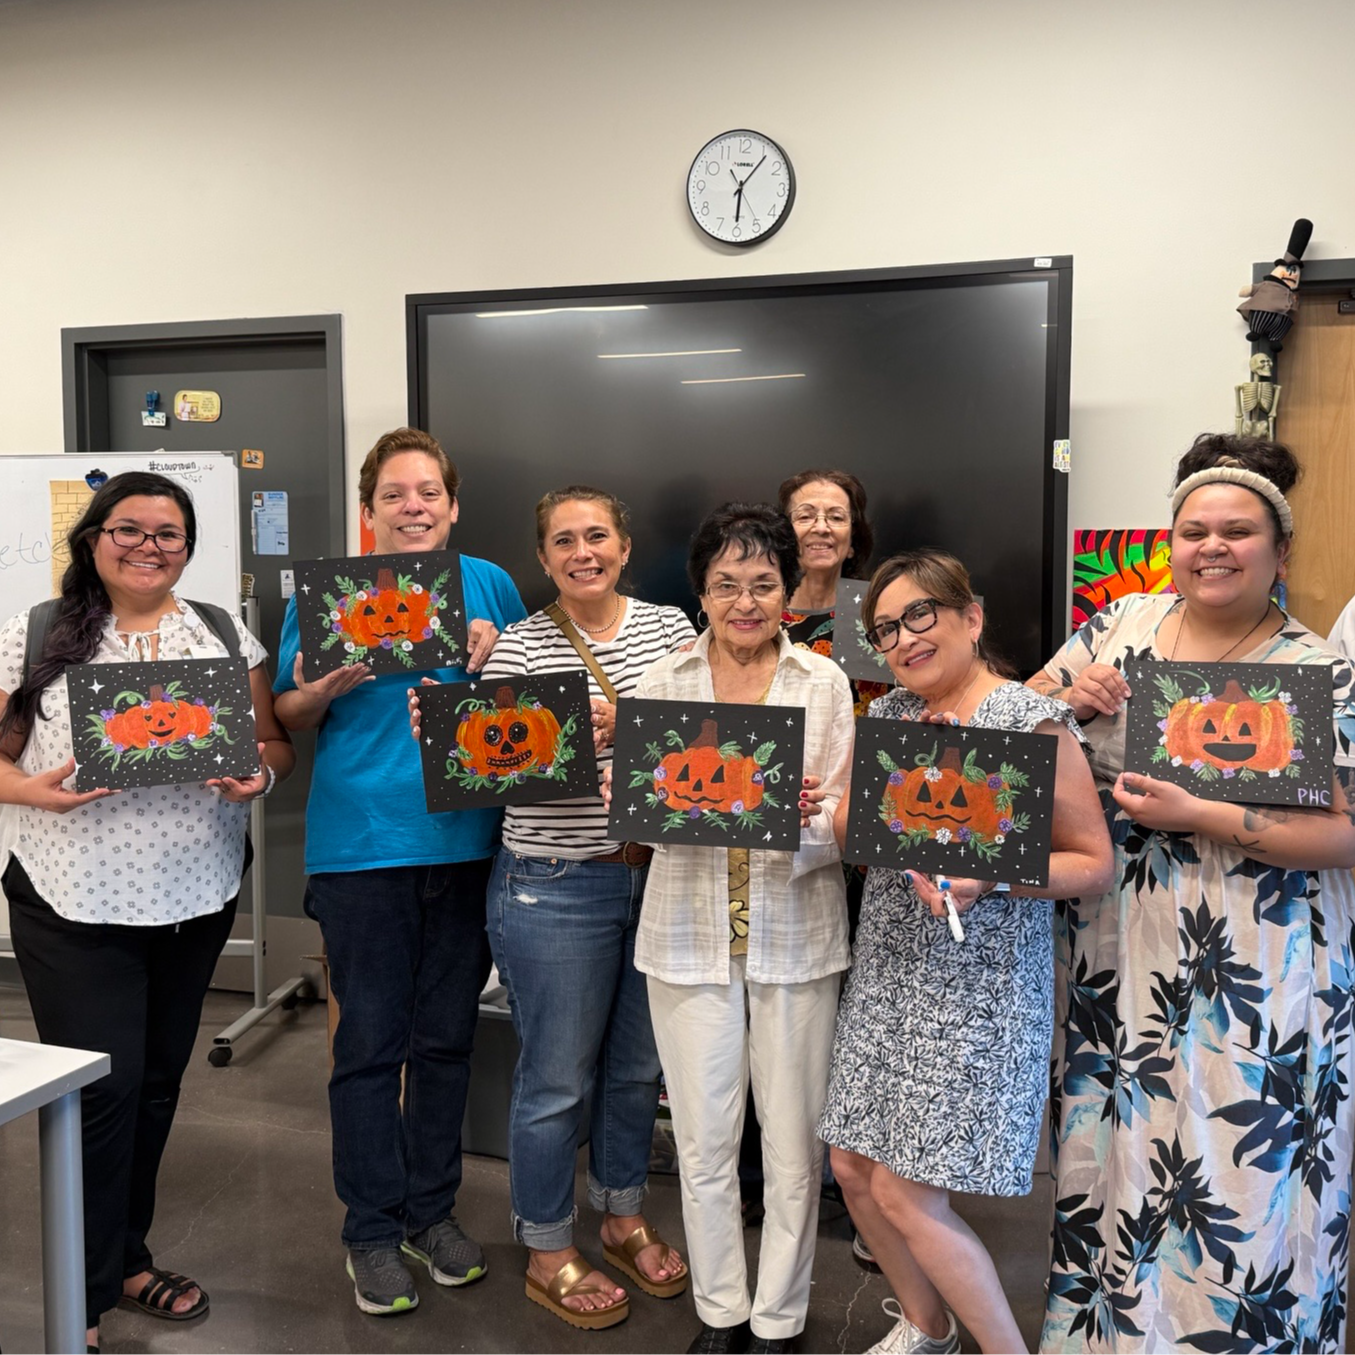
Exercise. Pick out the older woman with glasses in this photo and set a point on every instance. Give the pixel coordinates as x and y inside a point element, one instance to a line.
<point>941,1060</point>
<point>744,949</point>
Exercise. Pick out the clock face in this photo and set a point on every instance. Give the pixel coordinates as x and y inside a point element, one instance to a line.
<point>740,187</point>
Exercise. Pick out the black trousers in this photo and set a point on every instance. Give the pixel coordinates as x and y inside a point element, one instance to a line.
<point>134,993</point>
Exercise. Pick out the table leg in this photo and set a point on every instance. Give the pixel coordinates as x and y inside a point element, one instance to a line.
<point>63,1225</point>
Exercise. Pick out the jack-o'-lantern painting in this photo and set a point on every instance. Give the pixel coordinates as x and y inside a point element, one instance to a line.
<point>951,799</point>
<point>708,779</point>
<point>164,723</point>
<point>393,613</point>
<point>508,738</point>
<point>1239,732</point>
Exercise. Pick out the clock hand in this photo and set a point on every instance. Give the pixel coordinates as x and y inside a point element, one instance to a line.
<point>754,170</point>
<point>738,195</point>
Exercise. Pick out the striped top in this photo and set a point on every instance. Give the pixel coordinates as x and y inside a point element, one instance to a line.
<point>577,829</point>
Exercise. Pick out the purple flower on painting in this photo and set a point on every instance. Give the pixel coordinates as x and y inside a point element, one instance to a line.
<point>337,628</point>
<point>694,812</point>
<point>736,807</point>
<point>1197,764</point>
<point>995,782</point>
<point>964,834</point>
<point>1296,755</point>
<point>434,599</point>
<point>119,747</point>
<point>660,773</point>
<point>1293,710</point>
<point>199,701</point>
<point>896,778</point>
<point>661,793</point>
<point>1229,773</point>
<point>1162,724</point>
<point>428,632</point>
<point>896,825</point>
<point>465,715</point>
<point>1205,696</point>
<point>1004,825</point>
<point>546,769</point>
<point>145,705</point>
<point>757,778</point>
<point>108,714</point>
<point>387,642</point>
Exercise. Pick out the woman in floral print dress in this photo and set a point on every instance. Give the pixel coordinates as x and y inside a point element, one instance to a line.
<point>1203,1051</point>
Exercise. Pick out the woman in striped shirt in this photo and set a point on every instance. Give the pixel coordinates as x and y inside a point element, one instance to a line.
<point>564,904</point>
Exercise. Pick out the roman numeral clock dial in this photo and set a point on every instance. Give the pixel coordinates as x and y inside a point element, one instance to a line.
<point>740,188</point>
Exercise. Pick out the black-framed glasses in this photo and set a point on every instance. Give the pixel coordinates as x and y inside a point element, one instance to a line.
<point>129,538</point>
<point>917,617</point>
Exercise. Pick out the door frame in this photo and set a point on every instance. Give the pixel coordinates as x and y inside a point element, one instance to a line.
<point>84,376</point>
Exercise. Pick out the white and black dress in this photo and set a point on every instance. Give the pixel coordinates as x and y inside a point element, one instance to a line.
<point>941,1060</point>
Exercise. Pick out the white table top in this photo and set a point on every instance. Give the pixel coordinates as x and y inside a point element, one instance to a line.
<point>34,1075</point>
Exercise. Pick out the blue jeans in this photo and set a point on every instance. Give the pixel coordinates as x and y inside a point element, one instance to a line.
<point>408,959</point>
<point>563,936</point>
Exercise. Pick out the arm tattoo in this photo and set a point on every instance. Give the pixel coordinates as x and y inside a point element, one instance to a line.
<point>1253,848</point>
<point>1258,820</point>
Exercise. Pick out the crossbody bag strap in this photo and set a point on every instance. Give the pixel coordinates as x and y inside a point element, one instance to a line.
<point>568,630</point>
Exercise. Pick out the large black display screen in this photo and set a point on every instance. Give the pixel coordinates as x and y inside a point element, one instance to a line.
<point>943,392</point>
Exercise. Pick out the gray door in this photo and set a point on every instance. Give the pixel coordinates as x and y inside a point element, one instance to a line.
<point>278,396</point>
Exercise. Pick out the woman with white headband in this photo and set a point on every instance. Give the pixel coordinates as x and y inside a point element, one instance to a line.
<point>1203,1046</point>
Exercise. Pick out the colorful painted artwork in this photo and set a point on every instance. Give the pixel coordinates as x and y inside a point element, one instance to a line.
<point>973,803</point>
<point>161,724</point>
<point>856,656</point>
<point>1110,564</point>
<point>1245,732</point>
<point>694,772</point>
<point>392,612</point>
<point>507,741</point>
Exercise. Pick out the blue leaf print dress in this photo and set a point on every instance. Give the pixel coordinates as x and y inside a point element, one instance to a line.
<point>1201,1108</point>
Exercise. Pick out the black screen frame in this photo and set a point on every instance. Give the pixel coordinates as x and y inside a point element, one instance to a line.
<point>1056,269</point>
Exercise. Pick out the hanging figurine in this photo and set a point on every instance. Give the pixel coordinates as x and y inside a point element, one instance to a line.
<point>1257,402</point>
<point>1270,304</point>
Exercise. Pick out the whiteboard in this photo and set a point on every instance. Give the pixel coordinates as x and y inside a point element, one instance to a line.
<point>42,496</point>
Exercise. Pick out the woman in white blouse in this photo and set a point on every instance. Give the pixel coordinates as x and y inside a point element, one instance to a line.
<point>744,949</point>
<point>119,904</point>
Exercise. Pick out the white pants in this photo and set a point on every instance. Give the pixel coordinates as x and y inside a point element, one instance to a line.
<point>710,1038</point>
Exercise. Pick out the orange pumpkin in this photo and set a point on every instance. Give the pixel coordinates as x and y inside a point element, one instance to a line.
<point>157,722</point>
<point>385,613</point>
<point>699,777</point>
<point>512,738</point>
<point>940,796</point>
<point>1231,731</point>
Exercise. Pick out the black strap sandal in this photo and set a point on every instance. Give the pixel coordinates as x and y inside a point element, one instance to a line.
<point>162,1291</point>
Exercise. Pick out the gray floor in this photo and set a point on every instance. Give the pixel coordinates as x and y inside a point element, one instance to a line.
<point>247,1206</point>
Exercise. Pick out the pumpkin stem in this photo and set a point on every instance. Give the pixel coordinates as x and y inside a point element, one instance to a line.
<point>950,761</point>
<point>157,692</point>
<point>709,737</point>
<point>1233,692</point>
<point>385,580</point>
<point>505,699</point>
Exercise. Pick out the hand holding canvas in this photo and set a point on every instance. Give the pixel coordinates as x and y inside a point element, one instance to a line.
<point>482,636</point>
<point>1155,804</point>
<point>1098,690</point>
<point>604,724</point>
<point>811,799</point>
<point>241,791</point>
<point>43,790</point>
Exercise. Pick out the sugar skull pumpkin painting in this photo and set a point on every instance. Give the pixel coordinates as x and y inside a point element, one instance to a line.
<point>511,740</point>
<point>1233,731</point>
<point>695,772</point>
<point>161,723</point>
<point>390,612</point>
<point>970,802</point>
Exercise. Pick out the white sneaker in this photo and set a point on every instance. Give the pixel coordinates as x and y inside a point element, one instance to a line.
<point>906,1339</point>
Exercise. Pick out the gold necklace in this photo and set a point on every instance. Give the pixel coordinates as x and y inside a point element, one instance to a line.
<point>1185,611</point>
<point>592,630</point>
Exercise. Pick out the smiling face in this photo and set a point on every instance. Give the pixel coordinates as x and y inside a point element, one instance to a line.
<point>824,544</point>
<point>584,553</point>
<point>411,509</point>
<point>142,575</point>
<point>750,619</point>
<point>939,659</point>
<point>1224,553</point>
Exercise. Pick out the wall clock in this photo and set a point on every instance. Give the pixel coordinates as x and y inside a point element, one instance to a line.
<point>741,187</point>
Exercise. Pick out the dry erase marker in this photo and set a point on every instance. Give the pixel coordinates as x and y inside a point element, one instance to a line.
<point>952,915</point>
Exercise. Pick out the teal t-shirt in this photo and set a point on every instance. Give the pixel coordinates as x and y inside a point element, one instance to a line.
<point>366,806</point>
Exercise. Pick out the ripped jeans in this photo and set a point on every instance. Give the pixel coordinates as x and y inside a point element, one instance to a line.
<point>563,937</point>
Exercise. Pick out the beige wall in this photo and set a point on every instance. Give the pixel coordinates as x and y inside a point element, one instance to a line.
<point>197,159</point>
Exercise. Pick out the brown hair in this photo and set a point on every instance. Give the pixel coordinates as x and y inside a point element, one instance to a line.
<point>942,577</point>
<point>863,537</point>
<point>584,494</point>
<point>1273,460</point>
<point>392,444</point>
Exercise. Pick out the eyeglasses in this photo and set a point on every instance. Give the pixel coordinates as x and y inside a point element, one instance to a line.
<point>917,617</point>
<point>169,541</point>
<point>807,515</point>
<point>731,592</point>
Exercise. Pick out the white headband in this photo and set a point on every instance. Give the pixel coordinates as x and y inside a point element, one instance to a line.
<point>1236,475</point>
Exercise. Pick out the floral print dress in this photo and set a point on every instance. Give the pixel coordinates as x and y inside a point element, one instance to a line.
<point>1201,1110</point>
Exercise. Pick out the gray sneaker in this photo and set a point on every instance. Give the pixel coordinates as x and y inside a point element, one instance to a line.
<point>382,1283</point>
<point>451,1256</point>
<point>906,1339</point>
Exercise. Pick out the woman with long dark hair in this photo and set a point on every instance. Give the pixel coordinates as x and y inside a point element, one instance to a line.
<point>116,926</point>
